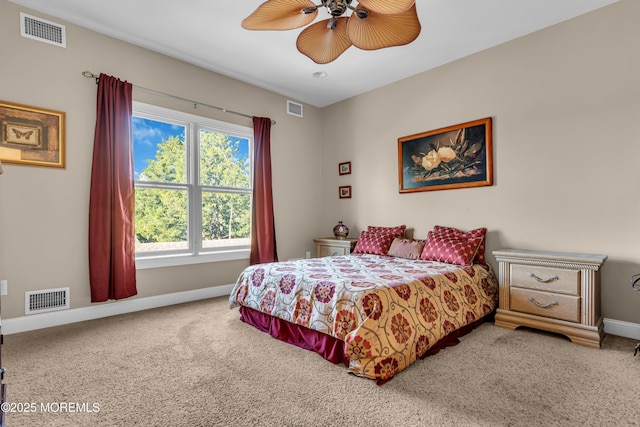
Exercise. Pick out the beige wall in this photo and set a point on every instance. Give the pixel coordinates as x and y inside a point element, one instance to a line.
<point>565,104</point>
<point>43,211</point>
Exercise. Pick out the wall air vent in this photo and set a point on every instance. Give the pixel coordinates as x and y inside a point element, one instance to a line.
<point>46,300</point>
<point>294,108</point>
<point>42,30</point>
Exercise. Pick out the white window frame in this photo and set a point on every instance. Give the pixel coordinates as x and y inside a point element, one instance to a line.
<point>195,254</point>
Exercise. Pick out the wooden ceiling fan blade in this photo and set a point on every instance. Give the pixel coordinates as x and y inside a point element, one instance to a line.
<point>378,31</point>
<point>321,44</point>
<point>280,15</point>
<point>386,7</point>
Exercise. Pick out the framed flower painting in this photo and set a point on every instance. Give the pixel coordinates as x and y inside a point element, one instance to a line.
<point>458,156</point>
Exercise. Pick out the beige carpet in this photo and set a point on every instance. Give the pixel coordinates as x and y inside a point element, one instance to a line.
<point>196,364</point>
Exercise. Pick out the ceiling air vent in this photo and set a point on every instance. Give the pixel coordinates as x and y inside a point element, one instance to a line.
<point>46,300</point>
<point>42,30</point>
<point>294,108</point>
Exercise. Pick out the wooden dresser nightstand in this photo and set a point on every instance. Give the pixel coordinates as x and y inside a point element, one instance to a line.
<point>332,246</point>
<point>554,291</point>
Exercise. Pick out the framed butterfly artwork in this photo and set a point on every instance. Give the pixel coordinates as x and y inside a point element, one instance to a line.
<point>31,136</point>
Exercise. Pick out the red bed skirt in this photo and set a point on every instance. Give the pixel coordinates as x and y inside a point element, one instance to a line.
<point>330,348</point>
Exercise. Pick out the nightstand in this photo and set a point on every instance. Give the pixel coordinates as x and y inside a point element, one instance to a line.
<point>554,291</point>
<point>332,246</point>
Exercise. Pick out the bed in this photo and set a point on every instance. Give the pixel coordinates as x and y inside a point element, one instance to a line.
<point>377,310</point>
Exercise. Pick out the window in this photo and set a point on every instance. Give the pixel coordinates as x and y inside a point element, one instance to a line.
<point>192,188</point>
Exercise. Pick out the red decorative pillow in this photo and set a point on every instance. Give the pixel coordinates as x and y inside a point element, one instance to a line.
<point>394,231</point>
<point>373,243</point>
<point>450,249</point>
<point>406,248</point>
<point>479,232</point>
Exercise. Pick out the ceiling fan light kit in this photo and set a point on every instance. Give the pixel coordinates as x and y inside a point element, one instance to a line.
<point>369,25</point>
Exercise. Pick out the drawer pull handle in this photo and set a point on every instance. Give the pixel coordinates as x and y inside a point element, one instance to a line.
<point>550,279</point>
<point>543,305</point>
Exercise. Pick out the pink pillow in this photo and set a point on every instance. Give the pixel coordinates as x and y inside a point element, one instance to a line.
<point>450,249</point>
<point>406,248</point>
<point>394,231</point>
<point>373,243</point>
<point>479,232</point>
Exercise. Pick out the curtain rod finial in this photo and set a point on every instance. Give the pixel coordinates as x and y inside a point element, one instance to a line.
<point>90,75</point>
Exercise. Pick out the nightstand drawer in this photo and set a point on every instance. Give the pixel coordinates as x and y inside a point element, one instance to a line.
<point>557,306</point>
<point>557,280</point>
<point>323,251</point>
<point>334,247</point>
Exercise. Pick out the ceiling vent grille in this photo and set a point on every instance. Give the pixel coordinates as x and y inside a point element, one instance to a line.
<point>42,30</point>
<point>46,300</point>
<point>294,108</point>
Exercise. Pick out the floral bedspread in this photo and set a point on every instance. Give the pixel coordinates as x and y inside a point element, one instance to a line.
<point>388,311</point>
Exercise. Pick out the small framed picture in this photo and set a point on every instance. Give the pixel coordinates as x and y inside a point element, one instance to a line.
<point>344,192</point>
<point>344,168</point>
<point>32,136</point>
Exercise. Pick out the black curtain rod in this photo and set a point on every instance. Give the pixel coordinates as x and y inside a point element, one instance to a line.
<point>90,75</point>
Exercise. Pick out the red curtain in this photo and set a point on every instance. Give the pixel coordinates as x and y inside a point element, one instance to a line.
<point>263,230</point>
<point>112,267</point>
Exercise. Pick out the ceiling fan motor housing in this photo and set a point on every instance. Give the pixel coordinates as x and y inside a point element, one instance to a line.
<point>337,7</point>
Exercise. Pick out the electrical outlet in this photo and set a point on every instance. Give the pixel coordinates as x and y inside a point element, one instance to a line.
<point>3,287</point>
<point>308,254</point>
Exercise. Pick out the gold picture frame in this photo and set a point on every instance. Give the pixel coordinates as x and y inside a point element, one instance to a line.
<point>458,156</point>
<point>32,136</point>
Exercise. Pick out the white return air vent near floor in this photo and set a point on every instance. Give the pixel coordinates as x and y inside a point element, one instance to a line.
<point>46,300</point>
<point>294,108</point>
<point>42,30</point>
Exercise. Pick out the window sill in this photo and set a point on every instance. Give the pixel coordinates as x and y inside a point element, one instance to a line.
<point>144,263</point>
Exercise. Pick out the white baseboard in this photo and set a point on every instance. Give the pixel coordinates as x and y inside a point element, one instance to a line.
<point>45,320</point>
<point>622,329</point>
<point>55,318</point>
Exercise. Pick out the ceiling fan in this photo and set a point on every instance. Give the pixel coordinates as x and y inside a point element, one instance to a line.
<point>370,25</point>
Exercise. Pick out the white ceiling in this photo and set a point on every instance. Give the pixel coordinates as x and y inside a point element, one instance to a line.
<point>207,33</point>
